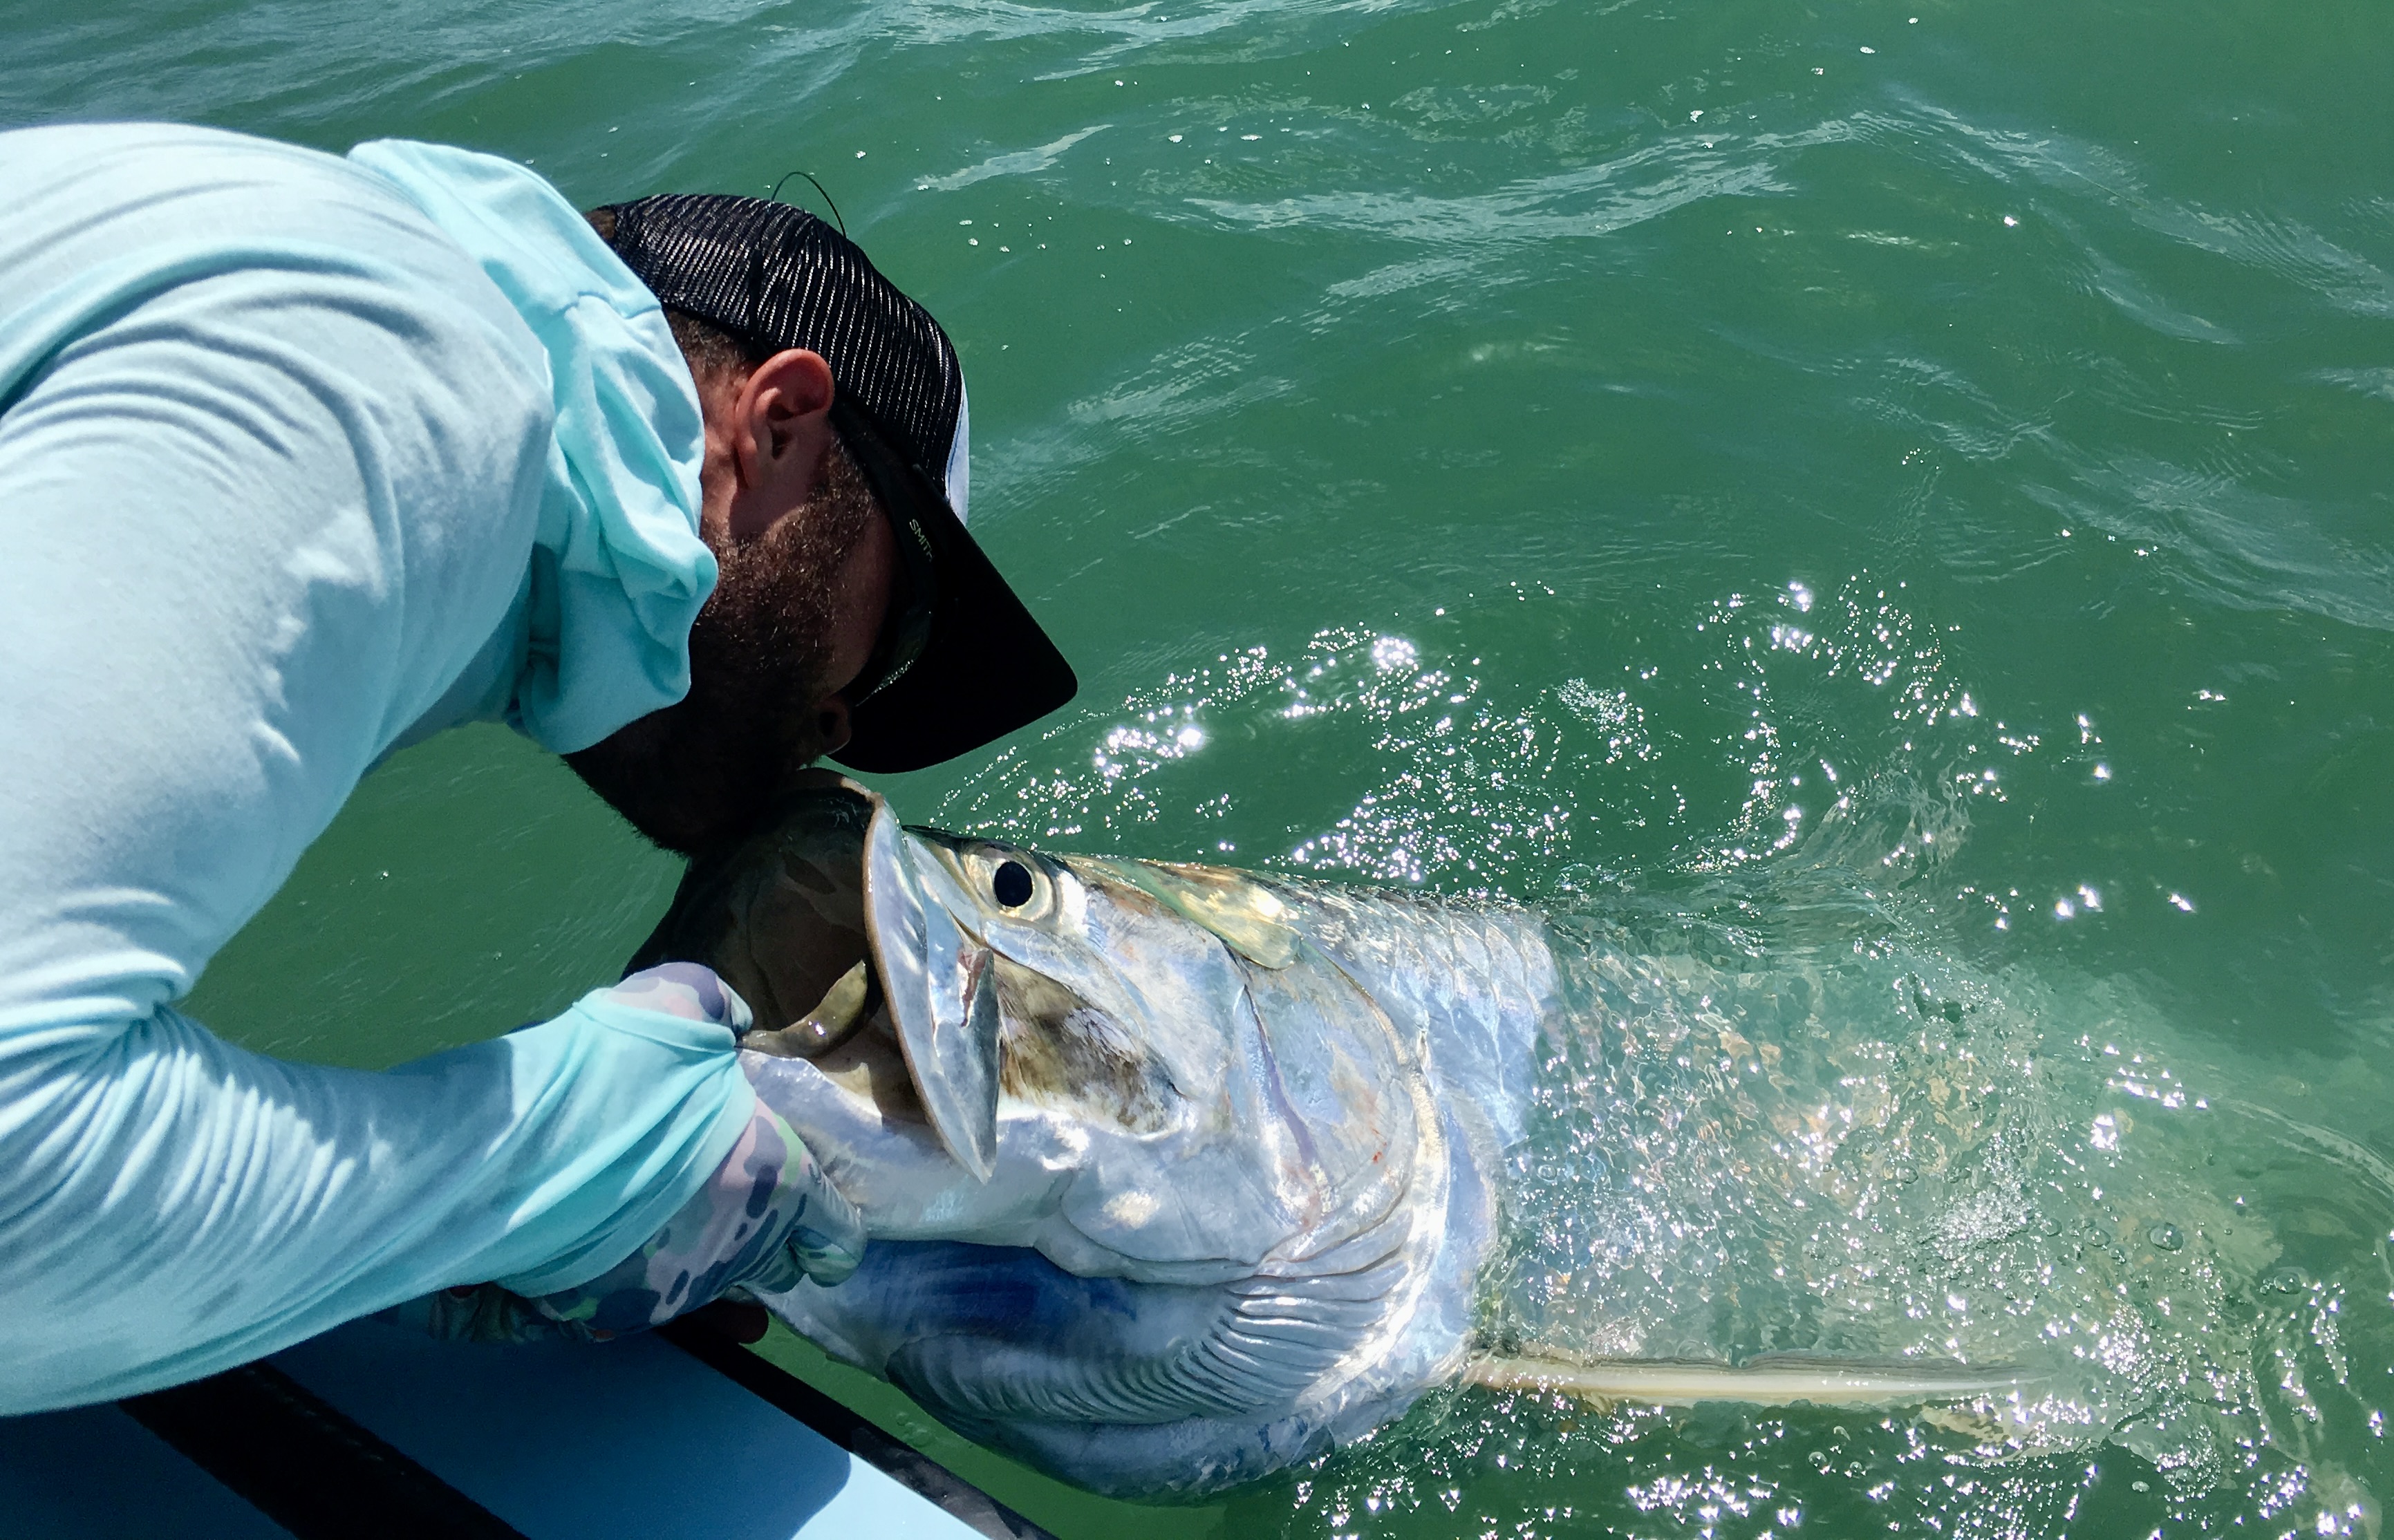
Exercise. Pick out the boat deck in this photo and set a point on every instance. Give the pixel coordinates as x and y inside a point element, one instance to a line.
<point>371,1429</point>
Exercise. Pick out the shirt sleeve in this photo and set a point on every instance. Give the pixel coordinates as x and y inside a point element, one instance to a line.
<point>271,463</point>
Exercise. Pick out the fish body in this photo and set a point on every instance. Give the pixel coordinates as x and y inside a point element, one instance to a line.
<point>1174,1174</point>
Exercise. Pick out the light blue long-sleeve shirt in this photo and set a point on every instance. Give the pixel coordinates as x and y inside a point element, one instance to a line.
<point>302,458</point>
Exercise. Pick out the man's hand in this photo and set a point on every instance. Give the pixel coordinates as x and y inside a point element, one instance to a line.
<point>764,1220</point>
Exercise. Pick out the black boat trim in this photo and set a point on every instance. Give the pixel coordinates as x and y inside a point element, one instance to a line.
<point>307,1465</point>
<point>322,1475</point>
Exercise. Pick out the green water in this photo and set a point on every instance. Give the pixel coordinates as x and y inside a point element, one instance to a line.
<point>1867,477</point>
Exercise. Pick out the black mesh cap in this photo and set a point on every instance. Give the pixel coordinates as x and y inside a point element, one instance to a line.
<point>961,662</point>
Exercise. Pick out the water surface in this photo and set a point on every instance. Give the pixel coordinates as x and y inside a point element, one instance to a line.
<point>1873,507</point>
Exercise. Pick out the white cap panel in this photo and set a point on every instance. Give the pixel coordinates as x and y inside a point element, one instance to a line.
<point>959,459</point>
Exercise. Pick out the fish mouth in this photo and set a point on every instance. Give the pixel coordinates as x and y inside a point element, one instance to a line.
<point>839,928</point>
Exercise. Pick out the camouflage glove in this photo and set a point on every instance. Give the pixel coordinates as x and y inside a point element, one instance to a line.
<point>765,1219</point>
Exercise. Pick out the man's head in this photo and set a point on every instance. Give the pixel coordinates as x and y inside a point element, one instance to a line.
<point>804,550</point>
<point>851,614</point>
<point>805,564</point>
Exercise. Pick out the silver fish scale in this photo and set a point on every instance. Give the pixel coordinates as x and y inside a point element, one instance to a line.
<point>1477,987</point>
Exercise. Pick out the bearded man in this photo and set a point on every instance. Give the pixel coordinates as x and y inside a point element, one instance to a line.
<point>304,458</point>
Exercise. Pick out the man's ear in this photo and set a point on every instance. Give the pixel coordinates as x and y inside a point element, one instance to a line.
<point>783,427</point>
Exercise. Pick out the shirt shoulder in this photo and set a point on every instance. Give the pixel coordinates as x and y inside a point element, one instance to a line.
<point>620,526</point>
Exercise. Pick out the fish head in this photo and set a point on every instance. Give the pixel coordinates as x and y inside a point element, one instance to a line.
<point>1157,1197</point>
<point>1138,1069</point>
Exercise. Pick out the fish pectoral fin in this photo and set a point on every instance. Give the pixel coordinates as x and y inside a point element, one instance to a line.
<point>976,1379</point>
<point>1780,1379</point>
<point>990,1337</point>
<point>1264,1347</point>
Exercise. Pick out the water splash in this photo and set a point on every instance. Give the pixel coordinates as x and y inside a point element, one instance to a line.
<point>1874,1151</point>
<point>1789,1113</point>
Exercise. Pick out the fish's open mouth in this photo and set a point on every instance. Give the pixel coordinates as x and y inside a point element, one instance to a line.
<point>825,928</point>
<point>854,998</point>
<point>868,1064</point>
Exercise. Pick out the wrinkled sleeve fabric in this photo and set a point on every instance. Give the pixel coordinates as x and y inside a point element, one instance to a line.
<point>274,453</point>
<point>618,571</point>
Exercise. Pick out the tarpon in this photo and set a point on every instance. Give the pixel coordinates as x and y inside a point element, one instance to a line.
<point>1174,1174</point>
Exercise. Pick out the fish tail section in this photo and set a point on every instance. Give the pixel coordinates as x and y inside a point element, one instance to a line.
<point>1781,1380</point>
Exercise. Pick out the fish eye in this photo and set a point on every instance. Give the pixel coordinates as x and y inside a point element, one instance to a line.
<point>1010,884</point>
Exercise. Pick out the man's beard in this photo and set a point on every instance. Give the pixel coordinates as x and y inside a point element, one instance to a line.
<point>711,764</point>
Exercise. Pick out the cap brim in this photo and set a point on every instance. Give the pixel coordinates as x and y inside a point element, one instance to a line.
<point>986,667</point>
